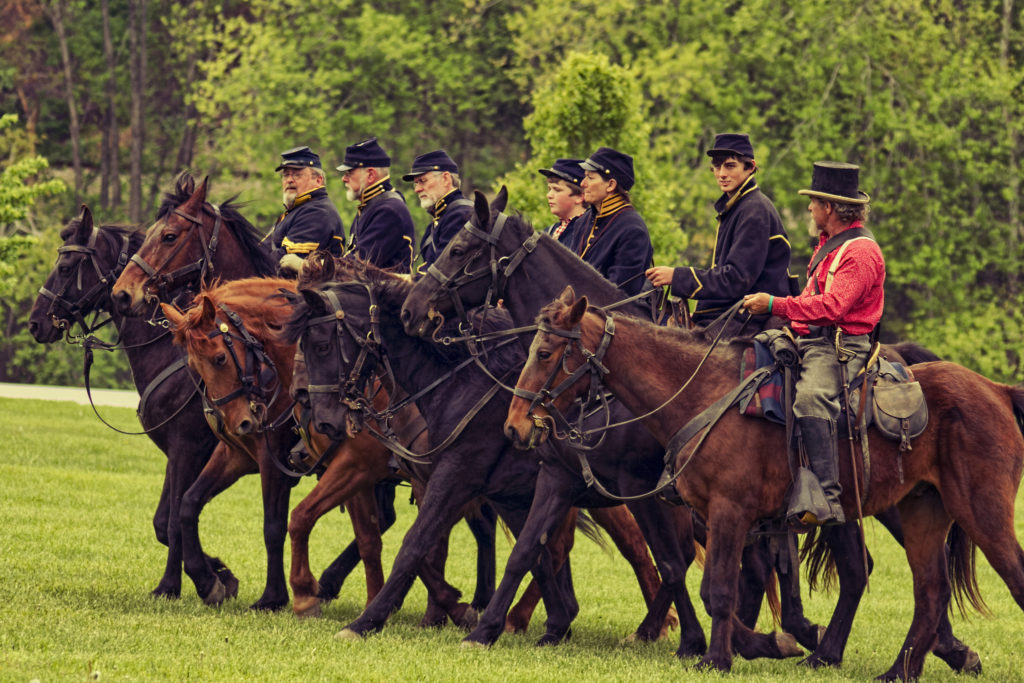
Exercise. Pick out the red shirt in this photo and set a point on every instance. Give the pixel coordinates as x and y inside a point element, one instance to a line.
<point>855,298</point>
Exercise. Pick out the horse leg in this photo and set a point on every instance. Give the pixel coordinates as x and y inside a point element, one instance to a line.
<point>669,533</point>
<point>332,578</point>
<point>519,616</point>
<point>340,483</point>
<point>950,649</point>
<point>277,489</point>
<point>727,528</point>
<point>170,582</point>
<point>225,467</point>
<point>624,530</point>
<point>482,524</point>
<point>845,546</point>
<point>925,524</point>
<point>440,508</point>
<point>551,505</point>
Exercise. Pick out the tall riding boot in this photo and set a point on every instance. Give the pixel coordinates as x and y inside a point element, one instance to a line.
<point>819,441</point>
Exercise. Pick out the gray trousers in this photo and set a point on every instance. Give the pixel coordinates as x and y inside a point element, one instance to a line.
<point>819,389</point>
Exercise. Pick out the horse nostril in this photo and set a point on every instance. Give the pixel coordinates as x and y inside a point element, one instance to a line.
<point>405,315</point>
<point>33,327</point>
<point>244,427</point>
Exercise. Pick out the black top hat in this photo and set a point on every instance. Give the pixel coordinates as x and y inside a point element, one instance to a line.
<point>611,163</point>
<point>437,160</point>
<point>837,181</point>
<point>365,153</point>
<point>299,157</point>
<point>568,170</point>
<point>732,143</point>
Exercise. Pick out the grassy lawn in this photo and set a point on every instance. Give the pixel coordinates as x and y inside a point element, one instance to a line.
<point>78,558</point>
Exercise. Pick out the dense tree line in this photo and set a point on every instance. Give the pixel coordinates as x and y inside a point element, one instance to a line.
<point>926,96</point>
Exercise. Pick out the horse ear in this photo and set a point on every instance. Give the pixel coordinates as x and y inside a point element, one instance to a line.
<point>198,197</point>
<point>501,201</point>
<point>173,316</point>
<point>328,266</point>
<point>314,301</point>
<point>481,211</point>
<point>578,309</point>
<point>568,295</point>
<point>207,312</point>
<point>85,225</point>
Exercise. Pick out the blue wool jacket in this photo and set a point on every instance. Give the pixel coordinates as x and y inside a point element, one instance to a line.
<point>617,245</point>
<point>450,213</point>
<point>313,223</point>
<point>382,232</point>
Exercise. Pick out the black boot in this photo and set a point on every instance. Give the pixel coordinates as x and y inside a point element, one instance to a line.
<point>819,442</point>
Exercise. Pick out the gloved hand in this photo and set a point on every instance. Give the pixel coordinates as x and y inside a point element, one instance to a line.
<point>290,265</point>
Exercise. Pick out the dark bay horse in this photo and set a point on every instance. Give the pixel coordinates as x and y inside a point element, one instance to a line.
<point>500,256</point>
<point>739,473</point>
<point>321,268</point>
<point>170,409</point>
<point>231,337</point>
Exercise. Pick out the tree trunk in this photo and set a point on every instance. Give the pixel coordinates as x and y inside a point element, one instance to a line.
<point>137,33</point>
<point>58,11</point>
<point>1016,227</point>
<point>110,184</point>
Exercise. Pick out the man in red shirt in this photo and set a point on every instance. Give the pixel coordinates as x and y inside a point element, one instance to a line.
<point>833,317</point>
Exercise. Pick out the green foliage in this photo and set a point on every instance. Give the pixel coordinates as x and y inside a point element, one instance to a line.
<point>17,195</point>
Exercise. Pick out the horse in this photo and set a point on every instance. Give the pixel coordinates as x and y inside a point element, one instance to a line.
<point>170,410</point>
<point>738,471</point>
<point>500,257</point>
<point>191,242</point>
<point>231,337</point>
<point>322,267</point>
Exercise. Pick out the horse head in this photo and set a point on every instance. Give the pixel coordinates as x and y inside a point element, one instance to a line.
<point>88,262</point>
<point>464,269</point>
<point>230,335</point>
<point>556,355</point>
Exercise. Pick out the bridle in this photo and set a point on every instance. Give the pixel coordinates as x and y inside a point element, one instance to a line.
<point>167,284</point>
<point>351,387</point>
<point>64,312</point>
<point>259,382</point>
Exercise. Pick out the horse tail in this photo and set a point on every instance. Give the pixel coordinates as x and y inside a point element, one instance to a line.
<point>820,562</point>
<point>961,556</point>
<point>586,525</point>
<point>771,594</point>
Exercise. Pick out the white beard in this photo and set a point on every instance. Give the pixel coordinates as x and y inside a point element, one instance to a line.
<point>427,203</point>
<point>288,199</point>
<point>351,195</point>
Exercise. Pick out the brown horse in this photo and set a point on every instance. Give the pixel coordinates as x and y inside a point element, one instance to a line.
<point>231,340</point>
<point>739,472</point>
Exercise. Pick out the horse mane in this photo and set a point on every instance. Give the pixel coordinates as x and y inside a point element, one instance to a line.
<point>247,234</point>
<point>260,302</point>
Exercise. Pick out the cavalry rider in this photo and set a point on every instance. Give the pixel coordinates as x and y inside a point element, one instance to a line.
<point>611,235</point>
<point>565,196</point>
<point>833,317</point>
<point>435,177</point>
<point>752,248</point>
<point>310,221</point>
<point>382,232</point>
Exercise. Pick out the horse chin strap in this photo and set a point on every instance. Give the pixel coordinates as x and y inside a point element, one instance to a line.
<point>169,285</point>
<point>592,364</point>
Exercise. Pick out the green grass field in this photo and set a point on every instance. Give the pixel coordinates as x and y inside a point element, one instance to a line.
<point>78,558</point>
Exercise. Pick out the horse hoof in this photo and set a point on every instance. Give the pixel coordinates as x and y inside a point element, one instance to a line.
<point>217,594</point>
<point>816,662</point>
<point>554,638</point>
<point>972,664</point>
<point>788,647</point>
<point>472,645</point>
<point>310,611</point>
<point>229,580</point>
<point>347,634</point>
<point>468,620</point>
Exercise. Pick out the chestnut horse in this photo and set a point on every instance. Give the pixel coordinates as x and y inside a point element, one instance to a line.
<point>499,256</point>
<point>170,409</point>
<point>737,472</point>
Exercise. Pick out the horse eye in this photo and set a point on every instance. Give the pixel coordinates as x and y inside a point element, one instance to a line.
<point>323,348</point>
<point>220,359</point>
<point>170,237</point>
<point>63,269</point>
<point>543,355</point>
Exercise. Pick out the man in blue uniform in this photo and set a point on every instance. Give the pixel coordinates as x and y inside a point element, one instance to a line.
<point>435,177</point>
<point>751,248</point>
<point>310,221</point>
<point>611,235</point>
<point>382,232</point>
<point>565,196</point>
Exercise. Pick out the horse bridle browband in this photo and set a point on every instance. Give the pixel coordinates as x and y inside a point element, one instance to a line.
<point>167,283</point>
